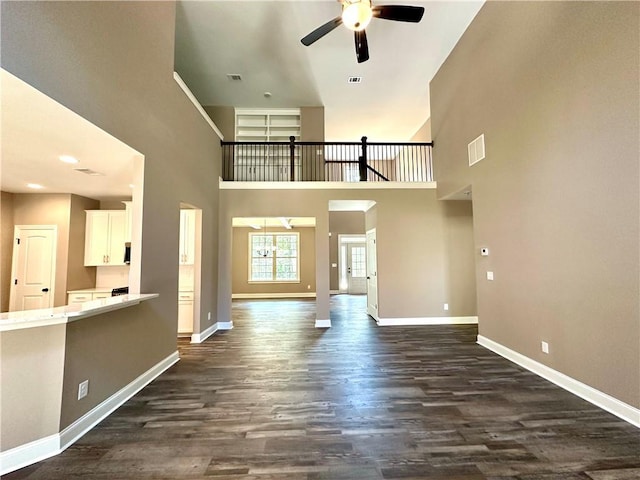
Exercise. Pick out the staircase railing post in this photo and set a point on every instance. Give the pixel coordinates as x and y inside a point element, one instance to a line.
<point>292,158</point>
<point>362,161</point>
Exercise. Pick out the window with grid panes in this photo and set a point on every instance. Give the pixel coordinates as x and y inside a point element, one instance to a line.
<point>274,257</point>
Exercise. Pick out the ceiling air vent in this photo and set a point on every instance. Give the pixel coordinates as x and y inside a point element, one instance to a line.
<point>354,80</point>
<point>476,150</point>
<point>88,171</point>
<point>234,77</point>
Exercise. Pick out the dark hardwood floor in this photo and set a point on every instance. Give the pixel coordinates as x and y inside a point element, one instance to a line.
<point>276,398</point>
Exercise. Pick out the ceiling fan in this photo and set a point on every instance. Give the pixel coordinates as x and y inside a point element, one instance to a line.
<point>356,15</point>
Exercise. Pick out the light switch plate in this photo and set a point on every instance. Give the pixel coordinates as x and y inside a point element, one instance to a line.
<point>489,275</point>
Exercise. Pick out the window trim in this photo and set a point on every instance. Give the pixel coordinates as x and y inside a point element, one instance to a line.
<point>250,258</point>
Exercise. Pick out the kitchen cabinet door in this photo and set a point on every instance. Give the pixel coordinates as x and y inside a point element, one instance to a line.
<point>104,237</point>
<point>187,236</point>
<point>96,242</point>
<point>185,312</point>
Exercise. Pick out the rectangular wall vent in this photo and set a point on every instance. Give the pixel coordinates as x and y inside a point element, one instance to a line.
<point>476,150</point>
<point>235,77</point>
<point>355,79</point>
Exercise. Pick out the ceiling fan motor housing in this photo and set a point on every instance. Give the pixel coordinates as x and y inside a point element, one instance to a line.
<point>356,14</point>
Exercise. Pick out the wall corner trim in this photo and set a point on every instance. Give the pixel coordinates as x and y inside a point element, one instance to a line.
<point>195,102</point>
<point>600,399</point>
<point>323,323</point>
<point>202,336</point>
<point>46,447</point>
<point>388,322</point>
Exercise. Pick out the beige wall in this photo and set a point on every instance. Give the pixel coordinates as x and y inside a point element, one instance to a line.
<point>6,248</point>
<point>114,341</point>
<point>424,132</point>
<point>48,209</point>
<point>112,63</point>
<point>31,371</point>
<point>341,223</point>
<point>312,124</point>
<point>240,283</point>
<point>412,228</point>
<point>225,120</point>
<point>79,276</point>
<point>555,91</point>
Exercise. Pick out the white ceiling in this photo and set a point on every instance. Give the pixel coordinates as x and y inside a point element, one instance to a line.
<point>36,129</point>
<point>260,40</point>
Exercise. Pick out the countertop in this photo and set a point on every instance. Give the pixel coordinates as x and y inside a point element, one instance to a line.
<point>93,290</point>
<point>68,313</point>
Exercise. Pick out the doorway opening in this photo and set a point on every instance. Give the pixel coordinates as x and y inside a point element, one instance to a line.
<point>190,269</point>
<point>352,264</point>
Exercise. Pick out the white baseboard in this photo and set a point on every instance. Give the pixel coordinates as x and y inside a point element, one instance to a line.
<point>29,453</point>
<point>225,325</point>
<point>201,337</point>
<point>46,447</point>
<point>600,399</point>
<point>273,295</point>
<point>98,413</point>
<point>323,323</point>
<point>334,292</point>
<point>387,322</point>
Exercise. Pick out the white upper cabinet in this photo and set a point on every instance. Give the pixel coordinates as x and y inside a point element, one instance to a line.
<point>187,236</point>
<point>105,237</point>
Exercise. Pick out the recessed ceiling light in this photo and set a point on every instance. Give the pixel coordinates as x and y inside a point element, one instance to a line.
<point>34,185</point>
<point>68,159</point>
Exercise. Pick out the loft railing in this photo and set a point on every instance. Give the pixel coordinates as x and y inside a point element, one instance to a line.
<point>326,161</point>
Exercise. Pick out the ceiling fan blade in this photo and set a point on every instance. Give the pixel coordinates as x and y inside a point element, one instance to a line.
<point>362,47</point>
<point>399,13</point>
<point>320,32</point>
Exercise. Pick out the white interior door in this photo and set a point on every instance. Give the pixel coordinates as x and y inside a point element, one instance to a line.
<point>372,275</point>
<point>33,267</point>
<point>357,268</point>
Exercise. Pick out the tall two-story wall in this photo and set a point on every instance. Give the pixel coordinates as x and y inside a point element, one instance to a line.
<point>112,63</point>
<point>554,88</point>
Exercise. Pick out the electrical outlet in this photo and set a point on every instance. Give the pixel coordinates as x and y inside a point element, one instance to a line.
<point>209,316</point>
<point>83,389</point>
<point>489,275</point>
<point>308,287</point>
<point>446,306</point>
<point>545,347</point>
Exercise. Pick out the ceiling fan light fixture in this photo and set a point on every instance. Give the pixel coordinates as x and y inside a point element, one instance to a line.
<point>357,14</point>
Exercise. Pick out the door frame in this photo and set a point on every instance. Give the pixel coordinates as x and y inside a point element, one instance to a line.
<point>17,229</point>
<point>343,263</point>
<point>373,312</point>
